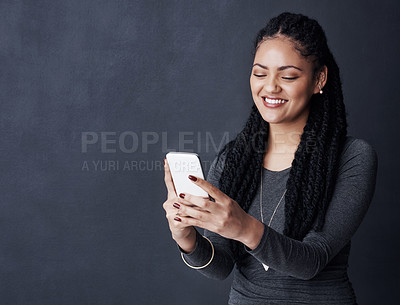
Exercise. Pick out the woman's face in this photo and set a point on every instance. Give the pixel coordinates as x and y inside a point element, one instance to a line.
<point>282,82</point>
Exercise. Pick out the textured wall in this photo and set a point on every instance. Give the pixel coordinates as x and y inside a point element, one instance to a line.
<point>93,93</point>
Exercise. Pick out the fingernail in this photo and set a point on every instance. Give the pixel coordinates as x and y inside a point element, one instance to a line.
<point>182,195</point>
<point>176,205</point>
<point>177,219</point>
<point>193,178</point>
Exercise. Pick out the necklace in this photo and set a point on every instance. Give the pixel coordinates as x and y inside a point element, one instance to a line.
<point>261,209</point>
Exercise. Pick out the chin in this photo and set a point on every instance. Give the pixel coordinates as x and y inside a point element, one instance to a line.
<point>266,115</point>
<point>271,119</point>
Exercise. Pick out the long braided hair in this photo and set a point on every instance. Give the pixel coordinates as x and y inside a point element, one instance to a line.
<point>314,169</point>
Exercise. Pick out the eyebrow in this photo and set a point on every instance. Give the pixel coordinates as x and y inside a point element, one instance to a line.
<point>280,68</point>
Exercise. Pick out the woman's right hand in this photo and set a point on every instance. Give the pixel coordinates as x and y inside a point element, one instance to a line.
<point>184,235</point>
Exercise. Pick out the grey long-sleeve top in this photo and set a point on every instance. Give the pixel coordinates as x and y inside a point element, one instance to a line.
<point>312,271</point>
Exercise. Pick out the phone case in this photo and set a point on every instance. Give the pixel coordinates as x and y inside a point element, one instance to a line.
<point>183,164</point>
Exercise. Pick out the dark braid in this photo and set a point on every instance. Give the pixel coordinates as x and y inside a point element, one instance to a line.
<point>314,169</point>
<point>248,148</point>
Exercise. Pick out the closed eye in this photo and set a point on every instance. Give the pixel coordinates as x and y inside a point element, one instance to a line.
<point>259,75</point>
<point>290,78</point>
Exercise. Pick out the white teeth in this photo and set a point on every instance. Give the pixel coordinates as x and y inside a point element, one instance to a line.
<point>274,101</point>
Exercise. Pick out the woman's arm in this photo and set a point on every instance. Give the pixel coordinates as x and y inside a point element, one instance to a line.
<point>351,198</point>
<point>224,258</point>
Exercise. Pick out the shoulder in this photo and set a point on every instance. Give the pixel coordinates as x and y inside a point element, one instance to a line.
<point>217,165</point>
<point>219,161</point>
<point>354,145</point>
<point>358,154</point>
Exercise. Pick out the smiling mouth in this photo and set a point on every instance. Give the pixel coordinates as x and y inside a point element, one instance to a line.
<point>274,100</point>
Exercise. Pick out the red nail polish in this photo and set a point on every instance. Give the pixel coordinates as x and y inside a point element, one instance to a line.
<point>193,178</point>
<point>182,195</point>
<point>177,219</point>
<point>176,205</point>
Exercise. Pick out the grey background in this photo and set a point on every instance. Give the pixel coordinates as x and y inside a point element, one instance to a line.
<point>75,236</point>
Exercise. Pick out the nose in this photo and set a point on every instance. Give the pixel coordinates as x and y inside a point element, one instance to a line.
<point>271,85</point>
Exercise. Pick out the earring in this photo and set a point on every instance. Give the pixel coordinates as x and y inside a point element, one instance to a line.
<point>320,89</point>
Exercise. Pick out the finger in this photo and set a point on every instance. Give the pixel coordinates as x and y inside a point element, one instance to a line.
<point>172,209</point>
<point>186,221</point>
<point>180,222</point>
<point>177,208</point>
<point>202,202</point>
<point>209,188</point>
<point>187,211</point>
<point>194,212</point>
<point>168,180</point>
<point>190,221</point>
<point>172,206</point>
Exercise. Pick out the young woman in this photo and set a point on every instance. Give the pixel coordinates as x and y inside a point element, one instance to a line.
<point>291,190</point>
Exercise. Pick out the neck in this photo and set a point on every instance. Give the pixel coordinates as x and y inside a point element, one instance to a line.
<point>284,138</point>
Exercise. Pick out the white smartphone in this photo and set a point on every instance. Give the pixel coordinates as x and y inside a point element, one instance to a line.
<point>181,165</point>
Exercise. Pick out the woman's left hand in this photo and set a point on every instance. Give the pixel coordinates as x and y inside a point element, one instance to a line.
<point>223,216</point>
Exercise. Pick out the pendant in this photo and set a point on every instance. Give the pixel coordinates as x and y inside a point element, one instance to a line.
<point>265,267</point>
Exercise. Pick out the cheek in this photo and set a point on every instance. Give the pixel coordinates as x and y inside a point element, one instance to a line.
<point>251,83</point>
<point>255,86</point>
<point>299,91</point>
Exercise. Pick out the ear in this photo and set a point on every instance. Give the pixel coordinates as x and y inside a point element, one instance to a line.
<point>321,79</point>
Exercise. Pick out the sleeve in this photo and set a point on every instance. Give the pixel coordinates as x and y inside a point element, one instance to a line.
<point>224,259</point>
<point>352,195</point>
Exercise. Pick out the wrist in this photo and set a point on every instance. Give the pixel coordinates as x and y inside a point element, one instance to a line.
<point>252,232</point>
<point>188,242</point>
